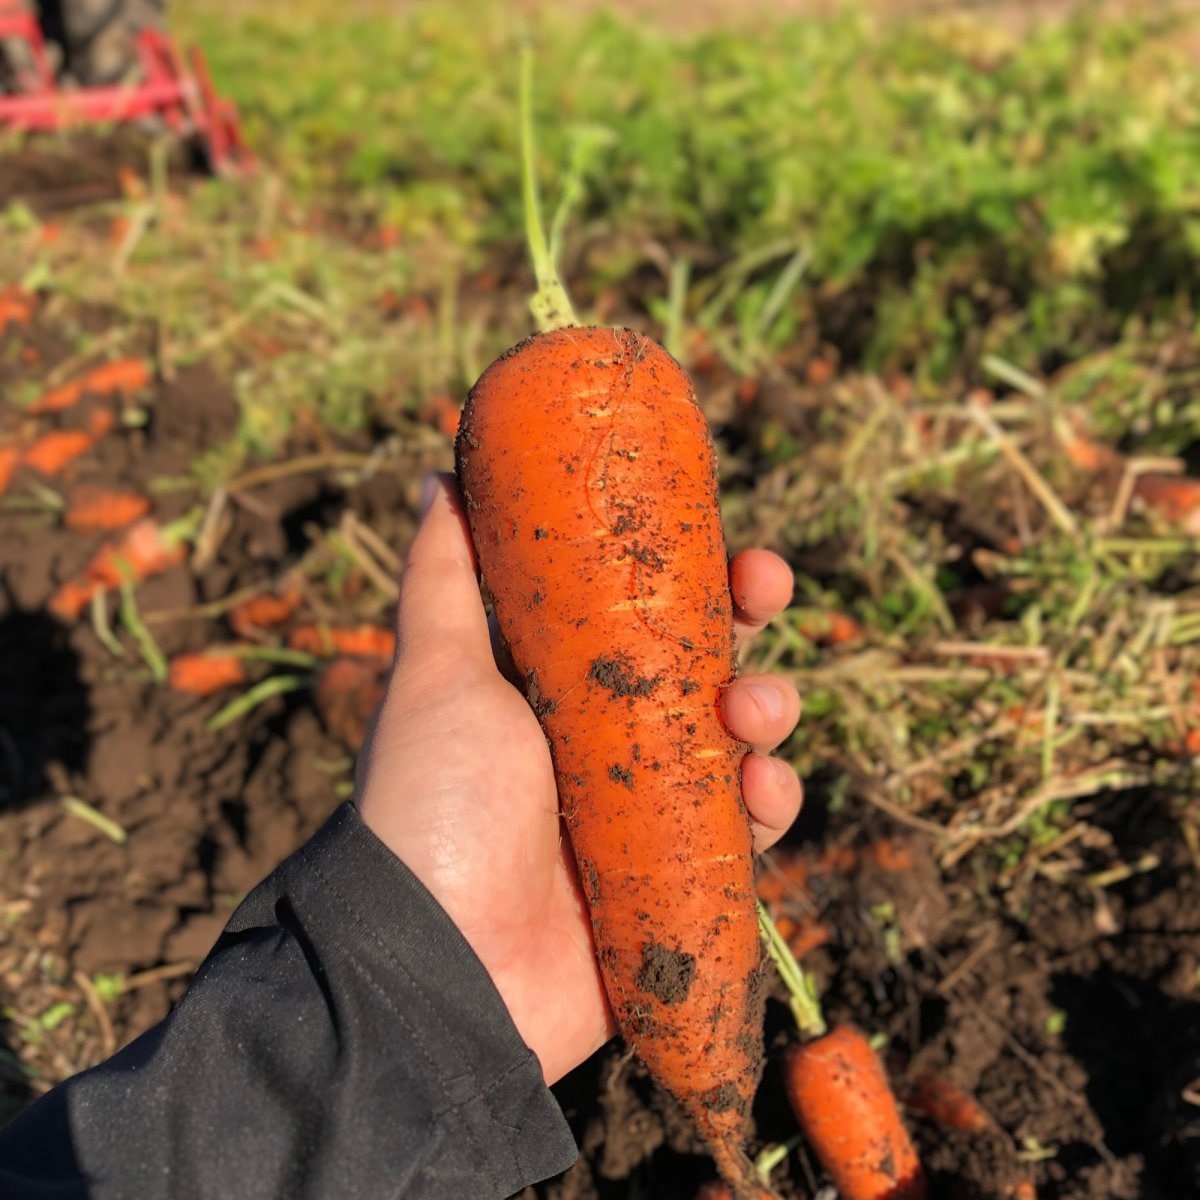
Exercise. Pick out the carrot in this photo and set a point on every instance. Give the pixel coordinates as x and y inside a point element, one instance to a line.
<point>54,451</point>
<point>16,307</point>
<point>10,460</point>
<point>590,484</point>
<point>949,1105</point>
<point>264,612</point>
<point>892,855</point>
<point>92,508</point>
<point>1176,497</point>
<point>362,641</point>
<point>58,399</point>
<point>827,627</point>
<point>348,692</point>
<point>144,549</point>
<point>123,375</point>
<point>206,672</point>
<point>840,1096</point>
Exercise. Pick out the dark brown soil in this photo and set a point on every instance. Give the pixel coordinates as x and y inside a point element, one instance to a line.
<point>1068,1010</point>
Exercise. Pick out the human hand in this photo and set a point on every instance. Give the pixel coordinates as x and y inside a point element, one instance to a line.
<point>456,779</point>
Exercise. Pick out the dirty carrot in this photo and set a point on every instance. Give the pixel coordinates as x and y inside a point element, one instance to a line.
<point>840,1096</point>
<point>266,611</point>
<point>206,672</point>
<point>360,641</point>
<point>590,484</point>
<point>144,549</point>
<point>1176,497</point>
<point>946,1103</point>
<point>92,508</point>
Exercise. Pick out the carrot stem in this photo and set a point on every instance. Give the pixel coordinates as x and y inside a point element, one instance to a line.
<point>273,685</point>
<point>802,994</point>
<point>132,620</point>
<point>550,306</point>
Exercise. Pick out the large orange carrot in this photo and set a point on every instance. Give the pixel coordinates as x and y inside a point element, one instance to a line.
<point>840,1096</point>
<point>591,489</point>
<point>206,672</point>
<point>144,549</point>
<point>92,508</point>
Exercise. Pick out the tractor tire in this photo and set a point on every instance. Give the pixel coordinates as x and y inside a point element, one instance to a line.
<point>98,37</point>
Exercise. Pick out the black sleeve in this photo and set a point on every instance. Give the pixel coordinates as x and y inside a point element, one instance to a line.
<point>341,1040</point>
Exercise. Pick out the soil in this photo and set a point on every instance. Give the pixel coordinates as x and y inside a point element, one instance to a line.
<point>1067,1009</point>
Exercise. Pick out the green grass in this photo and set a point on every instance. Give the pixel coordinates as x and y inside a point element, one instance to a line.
<point>974,190</point>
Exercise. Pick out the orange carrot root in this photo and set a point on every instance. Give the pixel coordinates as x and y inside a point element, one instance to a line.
<point>828,627</point>
<point>124,375</point>
<point>137,554</point>
<point>362,641</point>
<point>949,1105</point>
<point>51,453</point>
<point>845,1107</point>
<point>590,483</point>
<point>92,508</point>
<point>10,460</point>
<point>264,612</point>
<point>204,673</point>
<point>58,399</point>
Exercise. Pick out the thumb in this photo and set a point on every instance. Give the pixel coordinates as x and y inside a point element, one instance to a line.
<point>440,606</point>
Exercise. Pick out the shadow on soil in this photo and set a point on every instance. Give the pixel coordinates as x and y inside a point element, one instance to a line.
<point>44,706</point>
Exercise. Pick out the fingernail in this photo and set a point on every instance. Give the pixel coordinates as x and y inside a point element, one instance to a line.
<point>429,490</point>
<point>768,700</point>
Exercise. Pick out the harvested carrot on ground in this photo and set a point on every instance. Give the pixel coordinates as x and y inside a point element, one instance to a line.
<point>827,627</point>
<point>124,375</point>
<point>57,399</point>
<point>590,483</point>
<point>144,549</point>
<point>946,1103</point>
<point>206,672</point>
<point>51,453</point>
<point>266,611</point>
<point>360,641</point>
<point>16,307</point>
<point>93,508</point>
<point>10,460</point>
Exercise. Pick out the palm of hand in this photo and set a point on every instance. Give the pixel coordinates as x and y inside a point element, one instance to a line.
<point>481,829</point>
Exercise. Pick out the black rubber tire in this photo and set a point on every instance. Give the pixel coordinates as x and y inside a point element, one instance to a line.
<point>97,36</point>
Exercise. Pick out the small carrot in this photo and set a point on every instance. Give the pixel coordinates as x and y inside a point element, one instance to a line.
<point>827,627</point>
<point>10,460</point>
<point>144,549</point>
<point>206,672</point>
<point>92,508</point>
<point>265,611</point>
<point>892,855</point>
<point>51,453</point>
<point>1176,497</point>
<point>123,375</point>
<point>949,1105</point>
<point>362,641</point>
<point>16,307</point>
<point>348,692</point>
<point>57,399</point>
<point>840,1096</point>
<point>807,936</point>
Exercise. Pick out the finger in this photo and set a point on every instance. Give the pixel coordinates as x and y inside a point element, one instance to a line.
<point>762,586</point>
<point>773,795</point>
<point>760,710</point>
<point>440,606</point>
